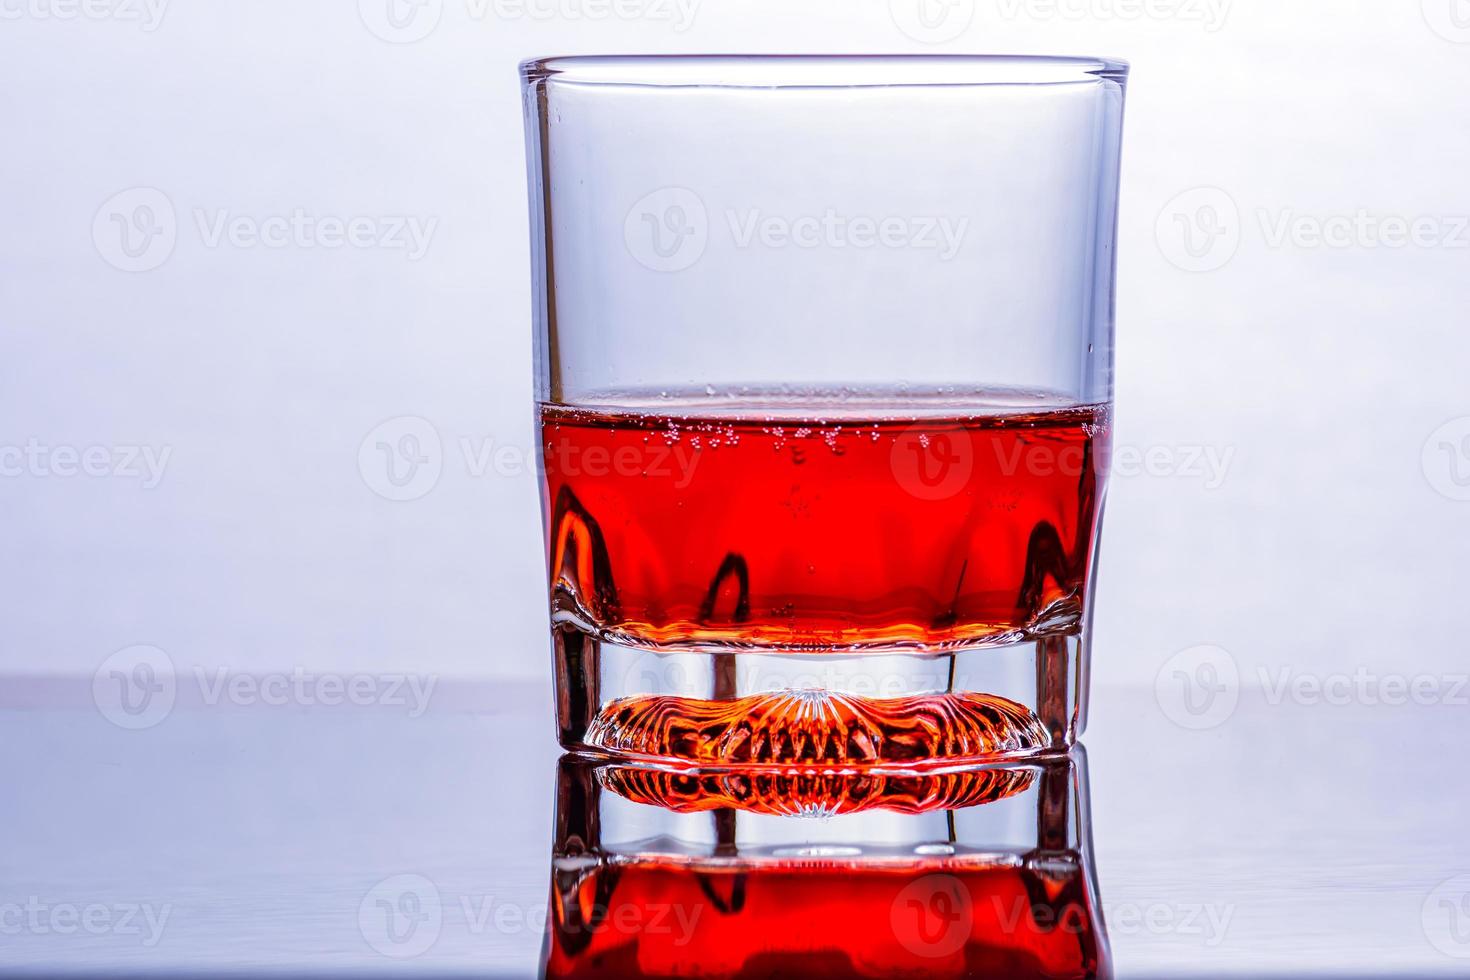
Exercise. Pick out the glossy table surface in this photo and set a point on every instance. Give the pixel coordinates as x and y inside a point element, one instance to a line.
<point>1299,838</point>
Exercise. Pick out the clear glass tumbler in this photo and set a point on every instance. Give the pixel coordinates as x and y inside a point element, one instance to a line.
<point>824,370</point>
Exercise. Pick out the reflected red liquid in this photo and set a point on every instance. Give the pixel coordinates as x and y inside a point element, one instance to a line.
<point>806,792</point>
<point>795,531</point>
<point>950,917</point>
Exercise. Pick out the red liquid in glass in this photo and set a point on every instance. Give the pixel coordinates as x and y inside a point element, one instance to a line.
<point>810,529</point>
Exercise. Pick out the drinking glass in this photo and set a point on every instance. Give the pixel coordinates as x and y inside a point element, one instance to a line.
<point>823,353</point>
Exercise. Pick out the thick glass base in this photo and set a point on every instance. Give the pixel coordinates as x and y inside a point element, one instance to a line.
<point>899,710</point>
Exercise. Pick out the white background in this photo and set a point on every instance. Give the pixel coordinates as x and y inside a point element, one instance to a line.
<point>1322,371</point>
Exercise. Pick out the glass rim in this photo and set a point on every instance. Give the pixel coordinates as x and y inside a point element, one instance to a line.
<point>805,71</point>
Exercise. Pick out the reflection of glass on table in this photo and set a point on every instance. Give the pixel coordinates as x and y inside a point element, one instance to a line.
<point>984,872</point>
